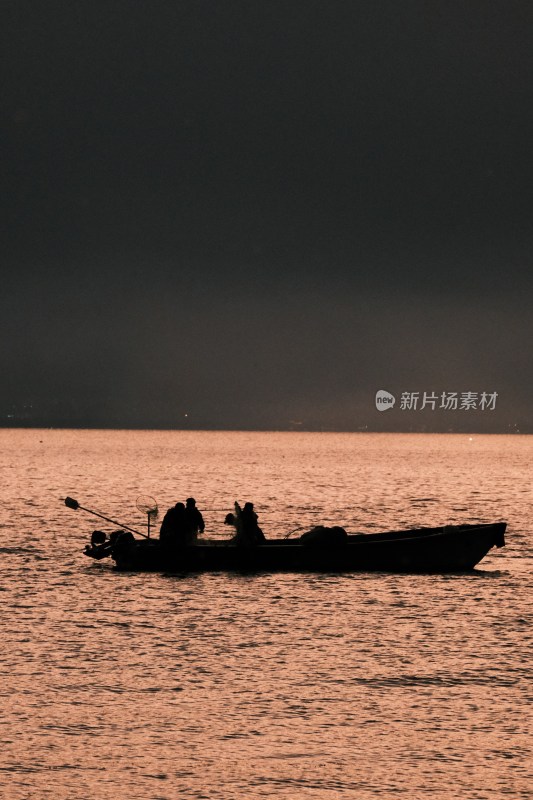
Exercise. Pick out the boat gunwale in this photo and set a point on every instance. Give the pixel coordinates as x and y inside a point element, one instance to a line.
<point>353,538</point>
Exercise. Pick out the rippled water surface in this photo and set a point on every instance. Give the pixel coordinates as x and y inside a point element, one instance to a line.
<point>287,686</point>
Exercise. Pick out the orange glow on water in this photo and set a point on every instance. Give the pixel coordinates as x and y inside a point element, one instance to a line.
<point>136,686</point>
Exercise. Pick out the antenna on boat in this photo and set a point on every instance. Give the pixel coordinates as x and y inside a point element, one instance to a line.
<point>148,505</point>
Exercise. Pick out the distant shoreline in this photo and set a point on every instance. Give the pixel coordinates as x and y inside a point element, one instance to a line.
<point>162,428</point>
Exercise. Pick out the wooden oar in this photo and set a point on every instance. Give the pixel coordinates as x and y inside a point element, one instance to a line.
<point>71,503</point>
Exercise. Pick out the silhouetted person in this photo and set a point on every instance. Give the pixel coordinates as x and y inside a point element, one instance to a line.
<point>194,521</point>
<point>173,531</point>
<point>249,534</point>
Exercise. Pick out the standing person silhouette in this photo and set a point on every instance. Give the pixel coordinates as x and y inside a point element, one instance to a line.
<point>173,528</point>
<point>194,522</point>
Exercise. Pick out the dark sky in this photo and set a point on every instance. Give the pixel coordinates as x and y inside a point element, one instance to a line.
<point>258,214</point>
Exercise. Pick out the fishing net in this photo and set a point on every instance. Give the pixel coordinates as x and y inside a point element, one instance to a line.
<point>147,505</point>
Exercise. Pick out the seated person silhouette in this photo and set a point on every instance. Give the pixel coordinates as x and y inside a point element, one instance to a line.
<point>248,534</point>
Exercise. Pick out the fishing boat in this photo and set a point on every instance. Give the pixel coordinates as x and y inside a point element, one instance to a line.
<point>451,548</point>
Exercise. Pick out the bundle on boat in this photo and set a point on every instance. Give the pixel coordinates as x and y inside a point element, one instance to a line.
<point>320,537</point>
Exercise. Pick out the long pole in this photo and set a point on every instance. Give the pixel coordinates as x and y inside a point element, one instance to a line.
<point>71,503</point>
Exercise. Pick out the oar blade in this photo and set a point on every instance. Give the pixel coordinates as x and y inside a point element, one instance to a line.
<point>71,503</point>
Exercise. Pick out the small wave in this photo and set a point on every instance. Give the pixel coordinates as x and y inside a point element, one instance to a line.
<point>424,499</point>
<point>29,769</point>
<point>434,680</point>
<point>19,550</point>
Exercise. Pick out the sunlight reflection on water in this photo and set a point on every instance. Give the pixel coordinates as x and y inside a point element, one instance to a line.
<point>228,686</point>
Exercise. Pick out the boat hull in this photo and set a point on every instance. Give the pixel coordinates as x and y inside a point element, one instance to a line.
<point>448,549</point>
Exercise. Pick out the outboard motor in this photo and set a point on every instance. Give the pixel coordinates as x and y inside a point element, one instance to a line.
<point>98,537</point>
<point>121,542</point>
<point>99,547</point>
